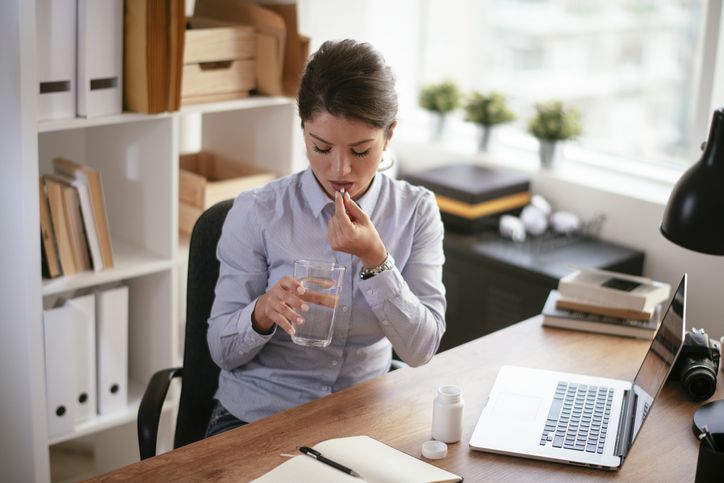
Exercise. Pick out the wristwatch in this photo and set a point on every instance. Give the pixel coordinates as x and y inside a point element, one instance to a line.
<point>386,264</point>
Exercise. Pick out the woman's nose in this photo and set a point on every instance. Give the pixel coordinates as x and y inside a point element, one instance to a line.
<point>343,165</point>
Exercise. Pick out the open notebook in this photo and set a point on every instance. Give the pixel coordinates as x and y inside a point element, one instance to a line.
<point>375,462</point>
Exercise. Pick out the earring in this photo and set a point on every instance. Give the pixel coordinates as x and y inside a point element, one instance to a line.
<point>387,161</point>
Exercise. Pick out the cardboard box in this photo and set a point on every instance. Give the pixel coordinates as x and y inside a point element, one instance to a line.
<point>472,197</point>
<point>205,179</point>
<point>219,61</point>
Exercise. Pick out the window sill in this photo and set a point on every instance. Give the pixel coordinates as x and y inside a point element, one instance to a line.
<point>622,177</point>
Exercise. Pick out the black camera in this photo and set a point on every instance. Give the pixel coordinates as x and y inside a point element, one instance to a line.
<point>697,365</point>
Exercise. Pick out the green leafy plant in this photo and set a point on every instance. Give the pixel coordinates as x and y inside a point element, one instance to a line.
<point>555,122</point>
<point>443,97</point>
<point>488,110</point>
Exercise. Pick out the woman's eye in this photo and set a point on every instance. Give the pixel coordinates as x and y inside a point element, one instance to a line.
<point>362,154</point>
<point>317,149</point>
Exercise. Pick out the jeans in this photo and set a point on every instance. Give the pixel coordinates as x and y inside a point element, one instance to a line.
<point>222,420</point>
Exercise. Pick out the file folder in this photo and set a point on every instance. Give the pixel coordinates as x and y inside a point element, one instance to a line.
<point>100,57</point>
<point>58,338</point>
<point>83,316</point>
<point>56,58</point>
<point>112,346</point>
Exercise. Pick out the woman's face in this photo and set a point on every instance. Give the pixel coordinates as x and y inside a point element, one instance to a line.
<point>344,153</point>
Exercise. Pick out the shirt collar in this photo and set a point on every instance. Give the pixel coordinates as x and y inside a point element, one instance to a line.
<point>318,199</point>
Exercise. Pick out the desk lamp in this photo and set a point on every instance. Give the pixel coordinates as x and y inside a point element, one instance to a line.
<point>694,219</point>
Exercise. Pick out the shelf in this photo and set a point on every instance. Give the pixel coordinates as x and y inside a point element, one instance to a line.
<point>117,418</point>
<point>80,122</point>
<point>126,117</point>
<point>252,102</point>
<point>129,261</point>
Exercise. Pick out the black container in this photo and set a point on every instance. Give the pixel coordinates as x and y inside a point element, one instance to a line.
<point>471,197</point>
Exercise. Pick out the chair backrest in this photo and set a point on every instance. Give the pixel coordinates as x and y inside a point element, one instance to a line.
<point>200,373</point>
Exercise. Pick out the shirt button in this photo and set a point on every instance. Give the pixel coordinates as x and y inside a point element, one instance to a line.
<point>370,292</point>
<point>384,322</point>
<point>325,388</point>
<point>345,308</point>
<point>334,363</point>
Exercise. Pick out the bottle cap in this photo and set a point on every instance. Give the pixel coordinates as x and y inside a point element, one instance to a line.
<point>434,450</point>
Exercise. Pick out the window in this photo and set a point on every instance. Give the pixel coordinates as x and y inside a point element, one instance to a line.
<point>632,67</point>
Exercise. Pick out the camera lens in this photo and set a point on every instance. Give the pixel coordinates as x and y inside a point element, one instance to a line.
<point>699,382</point>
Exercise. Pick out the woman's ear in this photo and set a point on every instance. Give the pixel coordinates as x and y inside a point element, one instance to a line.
<point>389,132</point>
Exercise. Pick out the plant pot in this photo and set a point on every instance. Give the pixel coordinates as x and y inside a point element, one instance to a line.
<point>439,121</point>
<point>548,153</point>
<point>484,133</point>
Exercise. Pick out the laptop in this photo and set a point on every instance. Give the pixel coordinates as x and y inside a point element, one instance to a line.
<point>578,419</point>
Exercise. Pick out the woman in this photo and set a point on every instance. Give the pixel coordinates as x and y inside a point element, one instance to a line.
<point>387,233</point>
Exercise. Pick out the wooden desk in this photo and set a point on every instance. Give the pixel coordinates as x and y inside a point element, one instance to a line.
<point>397,409</point>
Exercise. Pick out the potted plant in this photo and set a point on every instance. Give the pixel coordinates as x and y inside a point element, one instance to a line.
<point>487,111</point>
<point>551,123</point>
<point>440,99</point>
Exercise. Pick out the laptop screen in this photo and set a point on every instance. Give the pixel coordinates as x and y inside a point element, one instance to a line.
<point>661,356</point>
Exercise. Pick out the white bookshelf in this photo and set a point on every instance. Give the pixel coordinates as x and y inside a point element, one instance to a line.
<point>137,156</point>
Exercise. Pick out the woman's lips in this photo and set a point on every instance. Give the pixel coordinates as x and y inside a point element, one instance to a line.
<point>338,186</point>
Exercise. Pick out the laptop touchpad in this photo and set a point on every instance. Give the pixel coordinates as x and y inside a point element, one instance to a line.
<point>522,407</point>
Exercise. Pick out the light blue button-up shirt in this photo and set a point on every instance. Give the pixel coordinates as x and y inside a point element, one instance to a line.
<point>269,228</point>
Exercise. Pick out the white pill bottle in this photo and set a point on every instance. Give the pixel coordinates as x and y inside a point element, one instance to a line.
<point>447,414</point>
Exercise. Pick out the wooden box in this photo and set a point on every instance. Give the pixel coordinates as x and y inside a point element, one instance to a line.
<point>219,61</point>
<point>205,179</point>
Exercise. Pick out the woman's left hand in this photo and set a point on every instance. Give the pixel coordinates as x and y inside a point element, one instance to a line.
<point>351,231</point>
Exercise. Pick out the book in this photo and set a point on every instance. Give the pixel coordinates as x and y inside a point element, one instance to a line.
<point>614,289</point>
<point>86,211</point>
<point>580,305</point>
<point>60,225</point>
<point>78,244</point>
<point>373,460</point>
<point>51,264</point>
<point>92,177</point>
<point>153,37</point>
<point>587,322</point>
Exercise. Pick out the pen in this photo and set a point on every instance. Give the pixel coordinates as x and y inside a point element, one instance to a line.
<point>318,456</point>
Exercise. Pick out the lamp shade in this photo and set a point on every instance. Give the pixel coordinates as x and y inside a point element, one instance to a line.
<point>694,215</point>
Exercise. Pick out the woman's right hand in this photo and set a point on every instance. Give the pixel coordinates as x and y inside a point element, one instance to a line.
<point>280,305</point>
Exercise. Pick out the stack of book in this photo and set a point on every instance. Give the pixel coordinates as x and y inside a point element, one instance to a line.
<point>73,222</point>
<point>607,302</point>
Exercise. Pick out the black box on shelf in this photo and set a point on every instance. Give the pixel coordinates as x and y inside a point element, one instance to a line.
<point>471,197</point>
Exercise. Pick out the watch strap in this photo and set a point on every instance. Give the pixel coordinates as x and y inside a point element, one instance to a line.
<point>386,264</point>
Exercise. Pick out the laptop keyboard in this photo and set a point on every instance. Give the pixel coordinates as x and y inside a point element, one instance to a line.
<point>578,417</point>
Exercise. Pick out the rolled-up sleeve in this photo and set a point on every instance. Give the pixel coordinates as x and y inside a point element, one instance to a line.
<point>410,304</point>
<point>243,276</point>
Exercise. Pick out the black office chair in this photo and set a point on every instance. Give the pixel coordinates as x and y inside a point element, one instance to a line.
<point>200,375</point>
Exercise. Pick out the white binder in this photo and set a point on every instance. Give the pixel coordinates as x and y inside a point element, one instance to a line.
<point>83,315</point>
<point>56,57</point>
<point>58,337</point>
<point>112,347</point>
<point>100,57</point>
